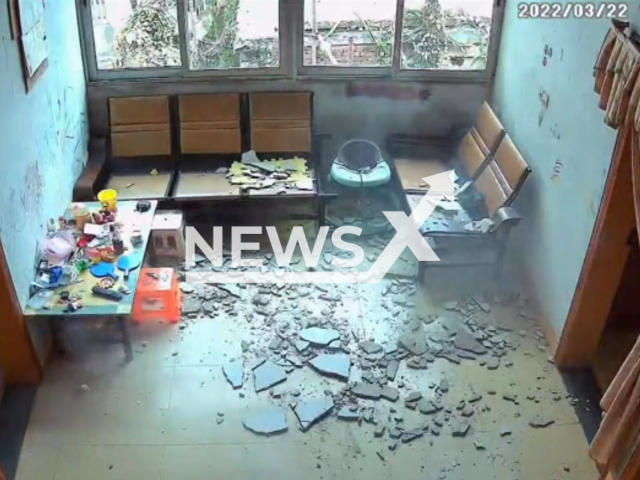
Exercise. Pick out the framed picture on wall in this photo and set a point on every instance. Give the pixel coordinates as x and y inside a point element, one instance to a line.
<point>29,29</point>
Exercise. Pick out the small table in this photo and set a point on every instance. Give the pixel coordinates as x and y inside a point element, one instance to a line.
<point>94,306</point>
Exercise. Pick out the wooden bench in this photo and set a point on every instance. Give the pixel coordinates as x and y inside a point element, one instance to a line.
<point>487,156</point>
<point>189,141</point>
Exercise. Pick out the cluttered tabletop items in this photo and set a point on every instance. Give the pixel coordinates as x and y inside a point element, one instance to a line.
<point>90,260</point>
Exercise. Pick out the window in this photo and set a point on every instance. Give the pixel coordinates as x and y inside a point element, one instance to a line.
<point>354,33</point>
<point>288,38</point>
<point>135,33</point>
<point>234,34</point>
<point>446,34</point>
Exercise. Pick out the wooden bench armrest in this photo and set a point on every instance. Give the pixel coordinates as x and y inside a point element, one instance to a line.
<point>84,189</point>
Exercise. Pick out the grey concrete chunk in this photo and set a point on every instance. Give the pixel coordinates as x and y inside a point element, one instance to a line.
<point>465,341</point>
<point>345,413</point>
<point>313,410</point>
<point>191,305</point>
<point>319,336</point>
<point>268,422</point>
<point>267,375</point>
<point>411,435</point>
<point>332,364</point>
<point>493,363</point>
<point>460,428</point>
<point>390,393</point>
<point>391,348</point>
<point>367,390</point>
<point>540,421</point>
<point>414,342</point>
<point>427,406</point>
<point>231,288</point>
<point>413,396</point>
<point>371,347</point>
<point>234,373</point>
<point>392,370</point>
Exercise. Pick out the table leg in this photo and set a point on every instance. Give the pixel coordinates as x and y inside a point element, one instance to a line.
<point>123,322</point>
<point>58,335</point>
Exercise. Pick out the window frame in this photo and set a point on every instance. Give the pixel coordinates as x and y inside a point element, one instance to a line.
<point>291,44</point>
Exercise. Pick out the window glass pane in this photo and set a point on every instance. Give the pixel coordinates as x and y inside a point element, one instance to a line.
<point>446,34</point>
<point>135,33</point>
<point>349,33</point>
<point>233,34</point>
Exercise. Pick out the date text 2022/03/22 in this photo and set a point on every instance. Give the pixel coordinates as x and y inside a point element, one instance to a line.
<point>585,10</point>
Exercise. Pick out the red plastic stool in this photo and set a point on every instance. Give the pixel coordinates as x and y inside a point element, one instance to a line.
<point>158,296</point>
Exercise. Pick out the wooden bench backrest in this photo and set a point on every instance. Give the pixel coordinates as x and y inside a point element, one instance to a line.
<point>210,123</point>
<point>281,122</point>
<point>140,126</point>
<point>501,180</point>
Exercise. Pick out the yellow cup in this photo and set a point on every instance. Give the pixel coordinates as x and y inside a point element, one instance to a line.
<point>108,199</point>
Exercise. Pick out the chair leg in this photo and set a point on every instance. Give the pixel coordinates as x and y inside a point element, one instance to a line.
<point>502,251</point>
<point>422,270</point>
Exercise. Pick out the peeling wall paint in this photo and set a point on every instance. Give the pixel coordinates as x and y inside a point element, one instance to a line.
<point>551,111</point>
<point>43,139</point>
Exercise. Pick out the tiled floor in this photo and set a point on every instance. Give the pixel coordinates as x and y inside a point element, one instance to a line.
<point>170,414</point>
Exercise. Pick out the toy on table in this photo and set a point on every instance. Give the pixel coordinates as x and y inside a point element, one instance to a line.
<point>127,263</point>
<point>104,269</point>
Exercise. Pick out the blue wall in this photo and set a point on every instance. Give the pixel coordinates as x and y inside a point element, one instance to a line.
<point>544,94</point>
<point>43,138</point>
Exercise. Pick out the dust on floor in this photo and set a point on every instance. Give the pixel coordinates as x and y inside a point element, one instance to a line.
<point>474,394</point>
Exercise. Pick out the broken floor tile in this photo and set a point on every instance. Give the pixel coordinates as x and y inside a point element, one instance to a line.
<point>268,422</point>
<point>301,345</point>
<point>268,375</point>
<point>234,373</point>
<point>319,336</point>
<point>367,390</point>
<point>332,364</point>
<point>313,410</point>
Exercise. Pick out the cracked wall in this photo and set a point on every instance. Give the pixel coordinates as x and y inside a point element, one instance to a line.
<point>43,139</point>
<point>544,95</point>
